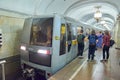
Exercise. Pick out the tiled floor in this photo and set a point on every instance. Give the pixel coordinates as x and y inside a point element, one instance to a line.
<point>80,69</point>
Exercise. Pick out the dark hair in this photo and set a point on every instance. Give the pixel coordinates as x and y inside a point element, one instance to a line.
<point>107,32</point>
<point>100,32</point>
<point>81,31</point>
<point>93,32</point>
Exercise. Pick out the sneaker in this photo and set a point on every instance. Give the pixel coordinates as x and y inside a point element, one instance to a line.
<point>88,60</point>
<point>103,60</point>
<point>81,57</point>
<point>93,60</point>
<point>106,60</point>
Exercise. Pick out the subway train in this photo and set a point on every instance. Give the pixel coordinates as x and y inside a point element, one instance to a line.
<point>48,43</point>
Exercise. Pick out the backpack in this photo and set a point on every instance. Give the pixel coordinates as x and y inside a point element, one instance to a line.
<point>80,38</point>
<point>112,42</point>
<point>92,40</point>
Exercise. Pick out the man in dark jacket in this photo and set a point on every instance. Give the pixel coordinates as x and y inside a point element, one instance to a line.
<point>80,40</point>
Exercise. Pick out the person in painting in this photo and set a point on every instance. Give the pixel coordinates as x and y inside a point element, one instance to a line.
<point>44,35</point>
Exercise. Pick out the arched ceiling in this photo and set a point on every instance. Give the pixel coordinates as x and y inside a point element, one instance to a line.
<point>81,10</point>
<point>85,12</point>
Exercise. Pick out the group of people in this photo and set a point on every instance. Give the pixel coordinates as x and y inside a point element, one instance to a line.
<point>102,41</point>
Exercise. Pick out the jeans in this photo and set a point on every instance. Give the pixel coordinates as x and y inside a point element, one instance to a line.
<point>106,50</point>
<point>91,51</point>
<point>80,49</point>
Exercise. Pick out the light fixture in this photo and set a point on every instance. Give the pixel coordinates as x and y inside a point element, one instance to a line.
<point>97,14</point>
<point>103,22</point>
<point>43,51</point>
<point>106,25</point>
<point>23,48</point>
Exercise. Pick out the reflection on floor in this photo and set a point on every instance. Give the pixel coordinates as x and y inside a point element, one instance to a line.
<point>80,69</point>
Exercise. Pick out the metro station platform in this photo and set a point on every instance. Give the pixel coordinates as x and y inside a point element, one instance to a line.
<point>81,69</point>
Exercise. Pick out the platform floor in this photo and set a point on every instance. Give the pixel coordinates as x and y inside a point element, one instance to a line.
<point>81,69</point>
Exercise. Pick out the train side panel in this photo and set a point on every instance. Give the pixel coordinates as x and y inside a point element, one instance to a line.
<point>58,60</point>
<point>25,39</point>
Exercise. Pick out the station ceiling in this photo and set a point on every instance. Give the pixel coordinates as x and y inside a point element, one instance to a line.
<point>81,10</point>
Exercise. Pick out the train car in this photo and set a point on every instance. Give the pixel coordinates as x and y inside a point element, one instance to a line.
<point>48,43</point>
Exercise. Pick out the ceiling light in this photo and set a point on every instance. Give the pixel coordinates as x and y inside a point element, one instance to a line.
<point>106,26</point>
<point>97,14</point>
<point>102,22</point>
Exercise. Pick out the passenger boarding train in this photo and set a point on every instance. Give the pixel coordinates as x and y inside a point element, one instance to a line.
<point>48,43</point>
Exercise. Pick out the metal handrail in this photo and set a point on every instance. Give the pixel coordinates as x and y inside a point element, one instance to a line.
<point>3,68</point>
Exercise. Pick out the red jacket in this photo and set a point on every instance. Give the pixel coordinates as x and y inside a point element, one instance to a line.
<point>106,40</point>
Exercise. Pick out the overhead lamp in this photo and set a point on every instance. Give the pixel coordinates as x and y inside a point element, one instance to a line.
<point>97,14</point>
<point>103,22</point>
<point>106,26</point>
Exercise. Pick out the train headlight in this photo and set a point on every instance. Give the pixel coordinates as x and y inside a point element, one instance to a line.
<point>43,51</point>
<point>23,48</point>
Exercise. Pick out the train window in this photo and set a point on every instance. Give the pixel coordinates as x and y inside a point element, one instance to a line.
<point>41,32</point>
<point>69,39</point>
<point>63,29</point>
<point>63,39</point>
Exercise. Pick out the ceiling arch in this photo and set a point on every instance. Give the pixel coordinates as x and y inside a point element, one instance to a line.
<point>81,10</point>
<point>85,3</point>
<point>91,15</point>
<point>85,12</point>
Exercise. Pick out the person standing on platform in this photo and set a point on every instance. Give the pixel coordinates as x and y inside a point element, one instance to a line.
<point>92,45</point>
<point>106,45</point>
<point>80,40</point>
<point>100,39</point>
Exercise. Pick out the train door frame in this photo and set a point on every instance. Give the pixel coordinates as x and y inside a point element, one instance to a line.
<point>69,42</point>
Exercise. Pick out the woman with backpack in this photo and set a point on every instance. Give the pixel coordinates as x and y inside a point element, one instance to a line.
<point>106,45</point>
<point>92,45</point>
